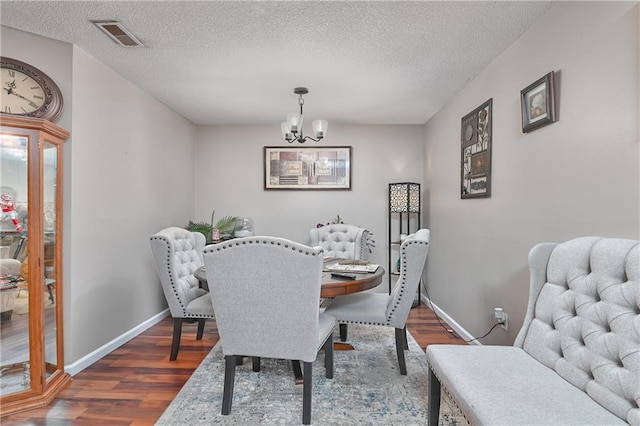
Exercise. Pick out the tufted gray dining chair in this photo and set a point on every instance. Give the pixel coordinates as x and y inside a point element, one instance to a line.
<point>390,310</point>
<point>341,240</point>
<point>177,254</point>
<point>266,294</point>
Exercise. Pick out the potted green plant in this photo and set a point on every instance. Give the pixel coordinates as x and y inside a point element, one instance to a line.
<point>222,229</point>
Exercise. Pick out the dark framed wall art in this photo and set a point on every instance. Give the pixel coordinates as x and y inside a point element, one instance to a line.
<point>475,138</point>
<point>538,103</point>
<point>328,167</point>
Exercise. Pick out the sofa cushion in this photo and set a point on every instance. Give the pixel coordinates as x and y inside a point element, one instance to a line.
<point>587,323</point>
<point>477,377</point>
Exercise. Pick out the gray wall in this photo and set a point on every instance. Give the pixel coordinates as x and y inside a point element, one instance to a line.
<point>125,178</point>
<point>230,179</point>
<point>576,177</point>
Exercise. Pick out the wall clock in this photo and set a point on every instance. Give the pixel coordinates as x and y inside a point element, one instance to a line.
<point>27,91</point>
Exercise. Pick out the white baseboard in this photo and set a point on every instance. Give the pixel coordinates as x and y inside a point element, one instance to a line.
<point>450,321</point>
<point>109,347</point>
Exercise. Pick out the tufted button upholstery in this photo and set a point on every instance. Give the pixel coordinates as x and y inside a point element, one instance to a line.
<point>341,241</point>
<point>388,310</point>
<point>586,325</point>
<point>177,254</point>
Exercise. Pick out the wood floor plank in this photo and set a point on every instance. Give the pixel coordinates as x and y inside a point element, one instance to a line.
<point>133,385</point>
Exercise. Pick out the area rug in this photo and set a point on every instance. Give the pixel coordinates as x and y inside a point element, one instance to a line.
<point>367,389</point>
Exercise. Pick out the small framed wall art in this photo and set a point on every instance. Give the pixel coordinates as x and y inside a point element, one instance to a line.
<point>475,137</point>
<point>538,103</point>
<point>328,167</point>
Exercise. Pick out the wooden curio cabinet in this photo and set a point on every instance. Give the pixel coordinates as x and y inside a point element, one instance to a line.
<point>31,345</point>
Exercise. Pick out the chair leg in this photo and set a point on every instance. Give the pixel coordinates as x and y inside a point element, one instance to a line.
<point>200,328</point>
<point>433,399</point>
<point>229,379</point>
<point>406,342</point>
<point>343,332</point>
<point>175,342</point>
<point>306,393</point>
<point>328,358</point>
<point>255,362</point>
<point>400,351</point>
<point>297,371</point>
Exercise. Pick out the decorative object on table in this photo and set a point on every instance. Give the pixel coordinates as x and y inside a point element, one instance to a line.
<point>328,167</point>
<point>387,310</point>
<point>475,167</point>
<point>538,103</point>
<point>351,266</point>
<point>244,227</point>
<point>223,229</point>
<point>8,211</point>
<point>292,128</point>
<point>28,92</point>
<point>404,201</point>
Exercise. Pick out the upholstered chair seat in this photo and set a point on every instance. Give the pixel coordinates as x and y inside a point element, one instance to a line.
<point>341,241</point>
<point>266,293</point>
<point>177,254</point>
<point>388,310</point>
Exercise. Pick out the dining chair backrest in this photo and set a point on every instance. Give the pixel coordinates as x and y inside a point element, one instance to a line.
<point>266,295</point>
<point>413,257</point>
<point>177,254</point>
<point>341,240</point>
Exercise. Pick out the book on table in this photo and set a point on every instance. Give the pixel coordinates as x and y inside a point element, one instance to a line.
<point>350,266</point>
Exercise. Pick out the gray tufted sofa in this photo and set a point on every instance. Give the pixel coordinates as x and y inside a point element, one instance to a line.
<point>341,241</point>
<point>576,359</point>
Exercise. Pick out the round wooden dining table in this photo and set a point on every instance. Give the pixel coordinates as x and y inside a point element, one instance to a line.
<point>331,287</point>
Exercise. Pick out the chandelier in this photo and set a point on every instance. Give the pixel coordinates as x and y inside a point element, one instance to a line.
<point>292,128</point>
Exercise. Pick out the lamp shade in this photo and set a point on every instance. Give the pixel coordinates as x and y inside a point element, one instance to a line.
<point>320,128</point>
<point>286,133</point>
<point>404,197</point>
<point>294,122</point>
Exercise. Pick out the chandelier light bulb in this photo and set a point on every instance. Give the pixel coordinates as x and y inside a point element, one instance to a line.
<point>292,128</point>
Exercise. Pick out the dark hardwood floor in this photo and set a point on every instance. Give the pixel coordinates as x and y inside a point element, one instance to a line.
<point>134,384</point>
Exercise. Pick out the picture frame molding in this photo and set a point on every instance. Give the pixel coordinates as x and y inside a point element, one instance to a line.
<point>476,134</point>
<point>337,172</point>
<point>546,87</point>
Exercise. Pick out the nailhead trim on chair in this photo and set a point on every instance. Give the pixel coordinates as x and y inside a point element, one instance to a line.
<point>451,398</point>
<point>168,260</point>
<point>249,240</point>
<point>172,281</point>
<point>404,275</point>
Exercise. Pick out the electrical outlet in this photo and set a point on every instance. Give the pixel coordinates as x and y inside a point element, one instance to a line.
<point>501,318</point>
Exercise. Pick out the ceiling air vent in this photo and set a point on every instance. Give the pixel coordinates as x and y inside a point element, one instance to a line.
<point>118,33</point>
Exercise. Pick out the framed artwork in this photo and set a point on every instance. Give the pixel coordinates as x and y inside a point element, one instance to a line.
<point>475,138</point>
<point>538,103</point>
<point>328,167</point>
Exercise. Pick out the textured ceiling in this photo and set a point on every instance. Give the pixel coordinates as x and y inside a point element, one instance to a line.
<point>237,62</point>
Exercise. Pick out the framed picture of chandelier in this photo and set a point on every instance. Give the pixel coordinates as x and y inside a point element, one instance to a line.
<point>328,167</point>
<point>475,138</point>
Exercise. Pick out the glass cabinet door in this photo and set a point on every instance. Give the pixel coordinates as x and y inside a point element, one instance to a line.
<point>50,244</point>
<point>31,349</point>
<point>14,294</point>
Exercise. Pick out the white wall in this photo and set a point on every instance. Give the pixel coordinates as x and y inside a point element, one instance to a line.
<point>128,173</point>
<point>579,176</point>
<point>132,175</point>
<point>230,179</point>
